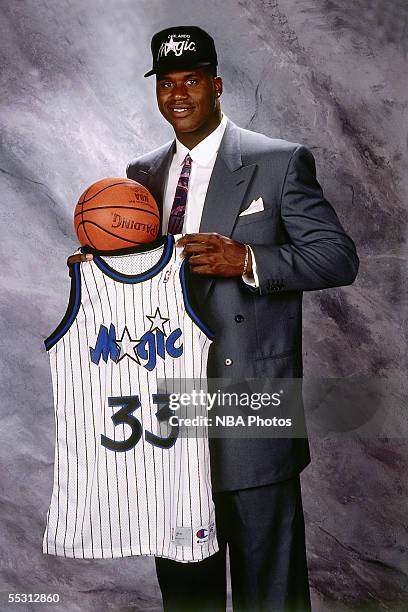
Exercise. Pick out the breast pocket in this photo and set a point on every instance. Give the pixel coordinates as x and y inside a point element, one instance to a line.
<point>257,228</point>
<point>254,217</point>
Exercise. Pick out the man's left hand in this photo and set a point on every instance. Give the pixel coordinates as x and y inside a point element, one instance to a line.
<point>214,254</point>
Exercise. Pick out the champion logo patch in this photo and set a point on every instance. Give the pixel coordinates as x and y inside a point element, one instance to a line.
<point>187,536</point>
<point>202,534</point>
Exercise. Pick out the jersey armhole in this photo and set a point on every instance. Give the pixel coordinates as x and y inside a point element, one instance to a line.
<point>72,309</point>
<point>190,302</point>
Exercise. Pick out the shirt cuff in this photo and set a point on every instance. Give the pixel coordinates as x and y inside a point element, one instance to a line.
<point>252,278</point>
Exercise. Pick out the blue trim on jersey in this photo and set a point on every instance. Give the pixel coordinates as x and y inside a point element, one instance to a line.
<point>190,311</point>
<point>138,278</point>
<point>72,309</point>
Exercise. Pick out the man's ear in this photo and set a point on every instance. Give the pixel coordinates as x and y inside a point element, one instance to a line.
<point>218,86</point>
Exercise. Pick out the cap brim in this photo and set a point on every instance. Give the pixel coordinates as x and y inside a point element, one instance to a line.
<point>179,68</point>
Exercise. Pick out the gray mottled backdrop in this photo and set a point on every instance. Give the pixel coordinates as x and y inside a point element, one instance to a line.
<point>75,108</point>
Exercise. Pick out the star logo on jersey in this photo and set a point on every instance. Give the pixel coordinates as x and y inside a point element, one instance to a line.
<point>157,321</point>
<point>127,346</point>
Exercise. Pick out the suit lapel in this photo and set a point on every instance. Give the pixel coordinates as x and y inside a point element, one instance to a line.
<point>159,171</point>
<point>225,193</point>
<point>226,190</point>
<point>154,178</point>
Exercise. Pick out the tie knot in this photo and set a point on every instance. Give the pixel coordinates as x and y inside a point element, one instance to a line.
<point>187,160</point>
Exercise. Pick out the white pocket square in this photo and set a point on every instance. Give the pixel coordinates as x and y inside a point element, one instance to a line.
<point>254,207</point>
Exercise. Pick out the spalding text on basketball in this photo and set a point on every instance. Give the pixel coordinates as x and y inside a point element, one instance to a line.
<point>121,221</point>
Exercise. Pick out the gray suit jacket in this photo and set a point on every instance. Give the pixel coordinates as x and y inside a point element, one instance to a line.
<point>299,245</point>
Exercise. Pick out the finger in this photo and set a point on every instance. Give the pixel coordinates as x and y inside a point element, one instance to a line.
<point>197,248</point>
<point>82,257</point>
<point>200,260</point>
<point>202,270</point>
<point>185,239</point>
<point>194,238</point>
<point>73,259</point>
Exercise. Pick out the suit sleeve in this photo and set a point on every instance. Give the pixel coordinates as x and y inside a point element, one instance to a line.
<point>129,169</point>
<point>318,253</point>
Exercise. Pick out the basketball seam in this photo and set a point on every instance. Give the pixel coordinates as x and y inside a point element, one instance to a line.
<point>82,209</point>
<point>114,206</point>
<point>107,187</point>
<point>90,241</point>
<point>107,231</point>
<point>85,192</point>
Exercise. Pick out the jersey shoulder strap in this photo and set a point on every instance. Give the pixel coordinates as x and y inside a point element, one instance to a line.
<point>71,311</point>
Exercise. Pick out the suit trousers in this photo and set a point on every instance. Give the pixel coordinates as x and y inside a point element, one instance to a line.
<point>263,528</point>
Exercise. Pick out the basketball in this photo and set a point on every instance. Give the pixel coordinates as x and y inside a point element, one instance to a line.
<point>116,213</point>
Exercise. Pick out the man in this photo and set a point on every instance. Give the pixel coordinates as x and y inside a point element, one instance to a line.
<point>258,233</point>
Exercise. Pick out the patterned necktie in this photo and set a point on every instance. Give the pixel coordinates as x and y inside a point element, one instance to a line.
<point>178,209</point>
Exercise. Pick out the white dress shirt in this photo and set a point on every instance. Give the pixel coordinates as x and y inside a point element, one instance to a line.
<point>203,158</point>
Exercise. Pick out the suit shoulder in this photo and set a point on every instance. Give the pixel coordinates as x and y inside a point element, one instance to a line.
<point>145,161</point>
<point>256,144</point>
<point>274,154</point>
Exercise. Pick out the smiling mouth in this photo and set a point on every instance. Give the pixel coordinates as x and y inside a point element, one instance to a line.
<point>181,110</point>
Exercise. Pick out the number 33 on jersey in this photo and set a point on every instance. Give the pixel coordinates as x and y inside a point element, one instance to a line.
<point>122,487</point>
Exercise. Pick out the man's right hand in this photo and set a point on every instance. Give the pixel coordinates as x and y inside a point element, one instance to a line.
<point>79,258</point>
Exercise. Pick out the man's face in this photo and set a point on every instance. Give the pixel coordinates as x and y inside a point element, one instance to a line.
<point>188,100</point>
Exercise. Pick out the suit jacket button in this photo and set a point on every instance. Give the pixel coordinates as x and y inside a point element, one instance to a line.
<point>239,318</point>
<point>227,361</point>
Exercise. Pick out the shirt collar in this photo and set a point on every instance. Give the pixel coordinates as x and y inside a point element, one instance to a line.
<point>203,153</point>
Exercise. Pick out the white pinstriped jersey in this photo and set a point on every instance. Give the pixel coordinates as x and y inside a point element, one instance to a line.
<point>121,487</point>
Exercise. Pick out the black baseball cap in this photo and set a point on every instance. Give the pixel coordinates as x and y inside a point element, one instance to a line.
<point>181,48</point>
